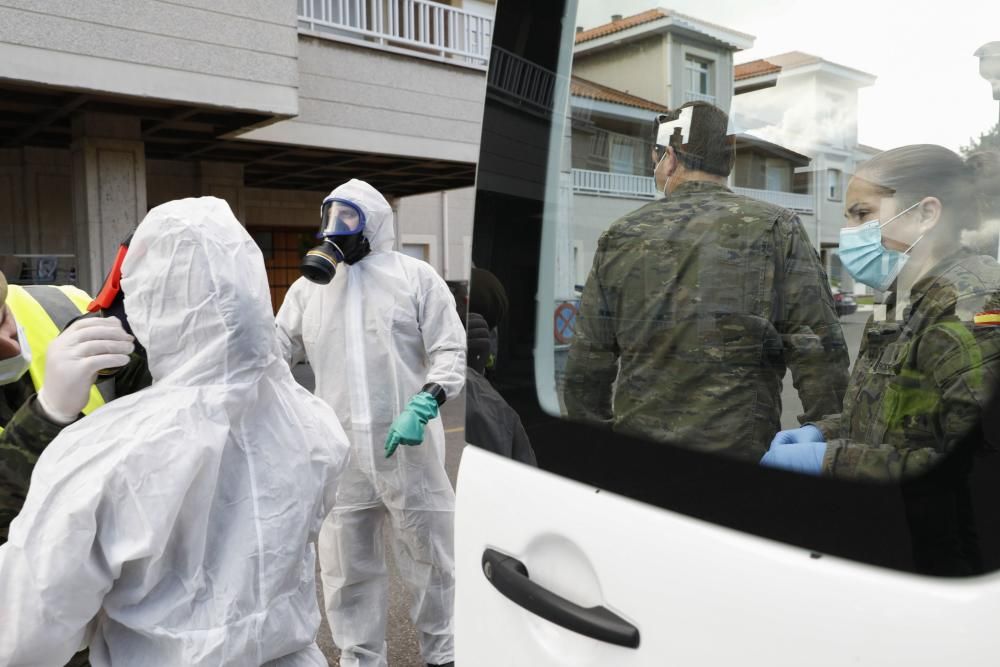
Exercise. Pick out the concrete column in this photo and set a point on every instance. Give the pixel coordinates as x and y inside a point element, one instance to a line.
<point>109,189</point>
<point>225,181</point>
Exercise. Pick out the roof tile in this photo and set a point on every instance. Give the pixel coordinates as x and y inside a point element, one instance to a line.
<point>618,26</point>
<point>595,91</point>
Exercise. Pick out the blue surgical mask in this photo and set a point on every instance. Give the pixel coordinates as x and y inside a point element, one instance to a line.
<point>865,258</point>
<point>11,370</point>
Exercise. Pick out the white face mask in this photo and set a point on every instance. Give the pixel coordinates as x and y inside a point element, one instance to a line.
<point>666,182</point>
<point>11,370</point>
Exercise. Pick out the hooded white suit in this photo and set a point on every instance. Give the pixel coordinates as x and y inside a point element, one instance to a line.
<point>378,332</point>
<point>173,526</point>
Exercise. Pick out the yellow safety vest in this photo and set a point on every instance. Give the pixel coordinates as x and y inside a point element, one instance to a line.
<point>43,311</point>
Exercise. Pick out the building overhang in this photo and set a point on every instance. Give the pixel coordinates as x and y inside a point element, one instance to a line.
<point>857,78</point>
<point>41,116</point>
<point>610,109</point>
<point>745,141</point>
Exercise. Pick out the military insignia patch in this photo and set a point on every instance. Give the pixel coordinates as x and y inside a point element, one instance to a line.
<point>987,318</point>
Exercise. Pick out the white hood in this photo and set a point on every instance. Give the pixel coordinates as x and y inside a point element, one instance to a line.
<point>378,214</point>
<point>193,270</point>
<point>183,514</point>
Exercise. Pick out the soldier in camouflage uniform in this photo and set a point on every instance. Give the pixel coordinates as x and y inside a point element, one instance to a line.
<point>696,304</point>
<point>25,428</point>
<point>924,379</point>
<point>920,384</point>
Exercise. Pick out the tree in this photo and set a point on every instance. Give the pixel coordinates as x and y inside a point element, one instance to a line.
<point>989,140</point>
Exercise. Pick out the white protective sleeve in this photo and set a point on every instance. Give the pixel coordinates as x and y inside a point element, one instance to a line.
<point>289,325</point>
<point>443,334</point>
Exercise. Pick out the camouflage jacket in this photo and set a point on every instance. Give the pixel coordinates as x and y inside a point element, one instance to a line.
<point>694,307</point>
<point>27,431</point>
<point>920,384</point>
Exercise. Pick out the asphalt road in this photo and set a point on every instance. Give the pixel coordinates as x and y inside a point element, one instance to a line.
<point>404,650</point>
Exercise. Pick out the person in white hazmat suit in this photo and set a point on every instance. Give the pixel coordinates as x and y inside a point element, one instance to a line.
<point>173,526</point>
<point>387,347</point>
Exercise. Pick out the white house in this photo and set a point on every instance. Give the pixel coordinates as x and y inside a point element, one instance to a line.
<point>811,106</point>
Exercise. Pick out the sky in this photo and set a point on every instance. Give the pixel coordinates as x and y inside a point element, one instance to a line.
<point>928,90</point>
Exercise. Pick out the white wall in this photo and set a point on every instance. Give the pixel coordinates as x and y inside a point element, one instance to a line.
<point>421,219</point>
<point>228,53</point>
<point>362,99</point>
<point>639,67</point>
<point>591,216</point>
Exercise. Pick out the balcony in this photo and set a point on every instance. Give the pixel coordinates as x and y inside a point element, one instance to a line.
<point>691,96</point>
<point>523,80</point>
<point>421,27</point>
<point>607,184</point>
<point>789,200</point>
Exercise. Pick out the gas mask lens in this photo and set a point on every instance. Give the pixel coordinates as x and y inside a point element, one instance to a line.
<point>341,225</point>
<point>340,217</point>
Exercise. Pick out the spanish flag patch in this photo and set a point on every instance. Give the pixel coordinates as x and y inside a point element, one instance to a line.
<point>987,318</point>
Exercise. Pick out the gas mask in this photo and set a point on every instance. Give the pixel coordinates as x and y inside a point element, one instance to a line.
<point>342,225</point>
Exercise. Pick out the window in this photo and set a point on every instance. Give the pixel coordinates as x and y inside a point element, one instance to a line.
<point>833,180</point>
<point>698,79</point>
<point>282,249</point>
<point>622,159</point>
<point>779,175</point>
<point>652,322</point>
<point>421,251</point>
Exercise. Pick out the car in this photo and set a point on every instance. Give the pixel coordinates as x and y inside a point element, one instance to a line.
<point>845,302</point>
<point>620,550</point>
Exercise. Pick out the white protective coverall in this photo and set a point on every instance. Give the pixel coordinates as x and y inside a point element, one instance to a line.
<point>378,332</point>
<point>174,526</point>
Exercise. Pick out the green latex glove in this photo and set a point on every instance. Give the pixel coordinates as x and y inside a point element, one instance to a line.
<point>408,427</point>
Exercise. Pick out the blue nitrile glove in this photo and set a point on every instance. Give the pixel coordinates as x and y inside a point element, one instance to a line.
<point>408,427</point>
<point>807,433</point>
<point>802,457</point>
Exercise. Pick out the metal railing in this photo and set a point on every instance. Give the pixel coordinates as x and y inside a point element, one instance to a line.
<point>691,96</point>
<point>420,25</point>
<point>613,185</point>
<point>644,187</point>
<point>522,79</point>
<point>39,269</point>
<point>790,200</point>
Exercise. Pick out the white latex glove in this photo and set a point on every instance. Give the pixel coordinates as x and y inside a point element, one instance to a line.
<point>72,362</point>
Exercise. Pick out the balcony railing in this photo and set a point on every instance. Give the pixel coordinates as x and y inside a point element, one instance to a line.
<point>790,200</point>
<point>613,185</point>
<point>644,187</point>
<point>420,25</point>
<point>522,79</point>
<point>691,96</point>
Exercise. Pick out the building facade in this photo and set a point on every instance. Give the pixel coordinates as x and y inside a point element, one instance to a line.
<point>110,108</point>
